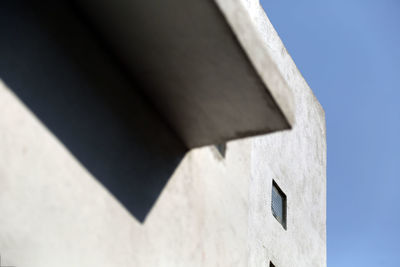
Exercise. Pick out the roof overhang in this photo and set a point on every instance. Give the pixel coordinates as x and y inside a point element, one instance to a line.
<point>202,64</point>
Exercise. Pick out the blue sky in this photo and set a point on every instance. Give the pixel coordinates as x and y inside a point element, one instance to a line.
<point>349,53</point>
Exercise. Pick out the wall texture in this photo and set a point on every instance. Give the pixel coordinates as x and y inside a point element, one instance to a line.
<point>296,160</point>
<point>54,213</point>
<point>213,211</point>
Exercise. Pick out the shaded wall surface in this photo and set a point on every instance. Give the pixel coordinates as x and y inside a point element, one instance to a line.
<point>190,62</point>
<point>55,64</point>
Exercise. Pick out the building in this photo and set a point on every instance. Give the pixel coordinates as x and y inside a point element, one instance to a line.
<point>169,133</point>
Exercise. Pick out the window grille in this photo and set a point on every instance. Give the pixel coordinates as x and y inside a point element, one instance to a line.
<point>278,204</point>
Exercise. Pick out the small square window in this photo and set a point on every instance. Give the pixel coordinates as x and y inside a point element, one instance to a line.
<point>278,204</point>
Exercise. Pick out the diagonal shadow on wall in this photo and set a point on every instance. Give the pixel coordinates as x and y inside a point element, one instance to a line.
<point>55,64</point>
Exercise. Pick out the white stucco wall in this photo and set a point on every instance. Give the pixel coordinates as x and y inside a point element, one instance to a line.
<point>213,211</point>
<point>54,213</point>
<point>296,160</point>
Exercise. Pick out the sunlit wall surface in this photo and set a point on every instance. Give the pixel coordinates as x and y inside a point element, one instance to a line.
<point>348,51</point>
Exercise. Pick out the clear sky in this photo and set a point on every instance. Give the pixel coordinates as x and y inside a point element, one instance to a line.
<point>349,53</point>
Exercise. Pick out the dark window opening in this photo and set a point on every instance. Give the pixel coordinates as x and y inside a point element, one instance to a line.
<point>271,264</point>
<point>278,204</point>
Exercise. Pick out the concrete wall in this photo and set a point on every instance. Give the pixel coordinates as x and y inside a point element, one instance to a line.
<point>296,160</point>
<point>213,211</point>
<point>55,213</point>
